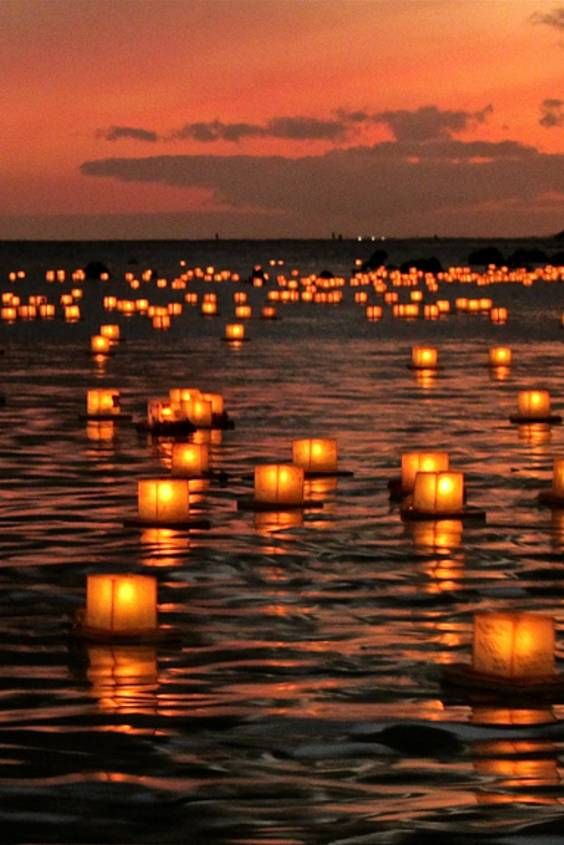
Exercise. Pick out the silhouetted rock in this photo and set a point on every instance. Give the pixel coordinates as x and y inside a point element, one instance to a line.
<point>557,259</point>
<point>94,269</point>
<point>559,236</point>
<point>426,265</point>
<point>527,257</point>
<point>326,274</point>
<point>486,255</point>
<point>377,259</point>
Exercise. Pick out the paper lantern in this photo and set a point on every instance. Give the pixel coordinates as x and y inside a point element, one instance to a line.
<point>513,645</point>
<point>438,492</point>
<point>424,357</point>
<point>121,604</point>
<point>499,356</point>
<point>217,403</point>
<point>558,478</point>
<point>268,312</point>
<point>208,309</point>
<point>102,402</point>
<point>178,395</point>
<point>190,460</point>
<point>279,484</point>
<point>315,454</point>
<point>99,345</point>
<point>414,462</point>
<point>160,410</point>
<point>198,411</point>
<point>243,312</point>
<point>163,500</point>
<point>533,404</point>
<point>111,331</point>
<point>234,332</point>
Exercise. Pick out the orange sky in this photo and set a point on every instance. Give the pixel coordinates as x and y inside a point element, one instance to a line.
<point>72,69</point>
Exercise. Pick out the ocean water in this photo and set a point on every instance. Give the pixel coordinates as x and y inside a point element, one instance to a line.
<point>301,699</point>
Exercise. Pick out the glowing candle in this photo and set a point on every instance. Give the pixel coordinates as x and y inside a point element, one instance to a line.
<point>279,484</point>
<point>425,357</point>
<point>534,404</point>
<point>438,492</point>
<point>163,500</point>
<point>190,460</point>
<point>315,454</point>
<point>414,462</point>
<point>121,604</point>
<point>513,645</point>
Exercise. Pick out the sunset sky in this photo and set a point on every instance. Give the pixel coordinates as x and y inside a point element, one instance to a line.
<point>257,118</point>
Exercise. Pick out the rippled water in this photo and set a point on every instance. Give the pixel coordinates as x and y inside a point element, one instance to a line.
<point>301,702</point>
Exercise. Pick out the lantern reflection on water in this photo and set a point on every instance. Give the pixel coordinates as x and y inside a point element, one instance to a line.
<point>513,645</point>
<point>99,432</point>
<point>441,535</point>
<point>122,675</point>
<point>269,522</point>
<point>121,604</point>
<point>279,484</point>
<point>163,500</point>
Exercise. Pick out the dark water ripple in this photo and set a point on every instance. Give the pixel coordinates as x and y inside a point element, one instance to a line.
<point>301,702</point>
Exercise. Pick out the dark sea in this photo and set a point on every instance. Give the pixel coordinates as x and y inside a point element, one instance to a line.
<point>301,699</point>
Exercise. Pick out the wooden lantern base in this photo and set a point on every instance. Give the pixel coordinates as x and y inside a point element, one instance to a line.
<point>547,497</point>
<point>463,677</point>
<point>552,419</point>
<point>427,368</point>
<point>105,417</point>
<point>135,522</point>
<point>249,503</point>
<point>85,633</point>
<point>180,427</point>
<point>236,340</point>
<point>467,514</point>
<point>211,475</point>
<point>395,489</point>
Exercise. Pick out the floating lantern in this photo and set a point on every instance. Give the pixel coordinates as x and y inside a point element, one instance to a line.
<point>438,492</point>
<point>100,345</point>
<point>243,312</point>
<point>234,332</point>
<point>424,357</point>
<point>555,496</point>
<point>315,455</point>
<point>414,462</point>
<point>163,501</point>
<point>102,402</point>
<point>208,309</point>
<point>499,356</point>
<point>268,312</point>
<point>374,312</point>
<point>72,313</point>
<point>190,460</point>
<point>279,484</point>
<point>518,646</point>
<point>534,406</point>
<point>47,311</point>
<point>499,315</point>
<point>161,412</point>
<point>120,605</point>
<point>217,402</point>
<point>178,395</point>
<point>111,331</point>
<point>198,411</point>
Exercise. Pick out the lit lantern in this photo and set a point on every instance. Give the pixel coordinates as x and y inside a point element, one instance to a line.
<point>234,332</point>
<point>279,484</point>
<point>111,331</point>
<point>243,312</point>
<point>533,404</point>
<point>190,460</point>
<point>208,309</point>
<point>217,403</point>
<point>268,312</point>
<point>374,312</point>
<point>72,313</point>
<point>102,402</point>
<point>315,454</point>
<point>558,478</point>
<point>438,492</point>
<point>160,410</point>
<point>424,357</point>
<point>99,345</point>
<point>414,462</point>
<point>163,500</point>
<point>121,604</point>
<point>178,395</point>
<point>198,411</point>
<point>47,311</point>
<point>499,356</point>
<point>499,315</point>
<point>516,646</point>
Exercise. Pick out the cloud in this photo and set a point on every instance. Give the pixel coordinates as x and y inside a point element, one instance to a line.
<point>552,113</point>
<point>555,18</point>
<point>296,128</point>
<point>389,185</point>
<point>429,122</point>
<point>116,133</point>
